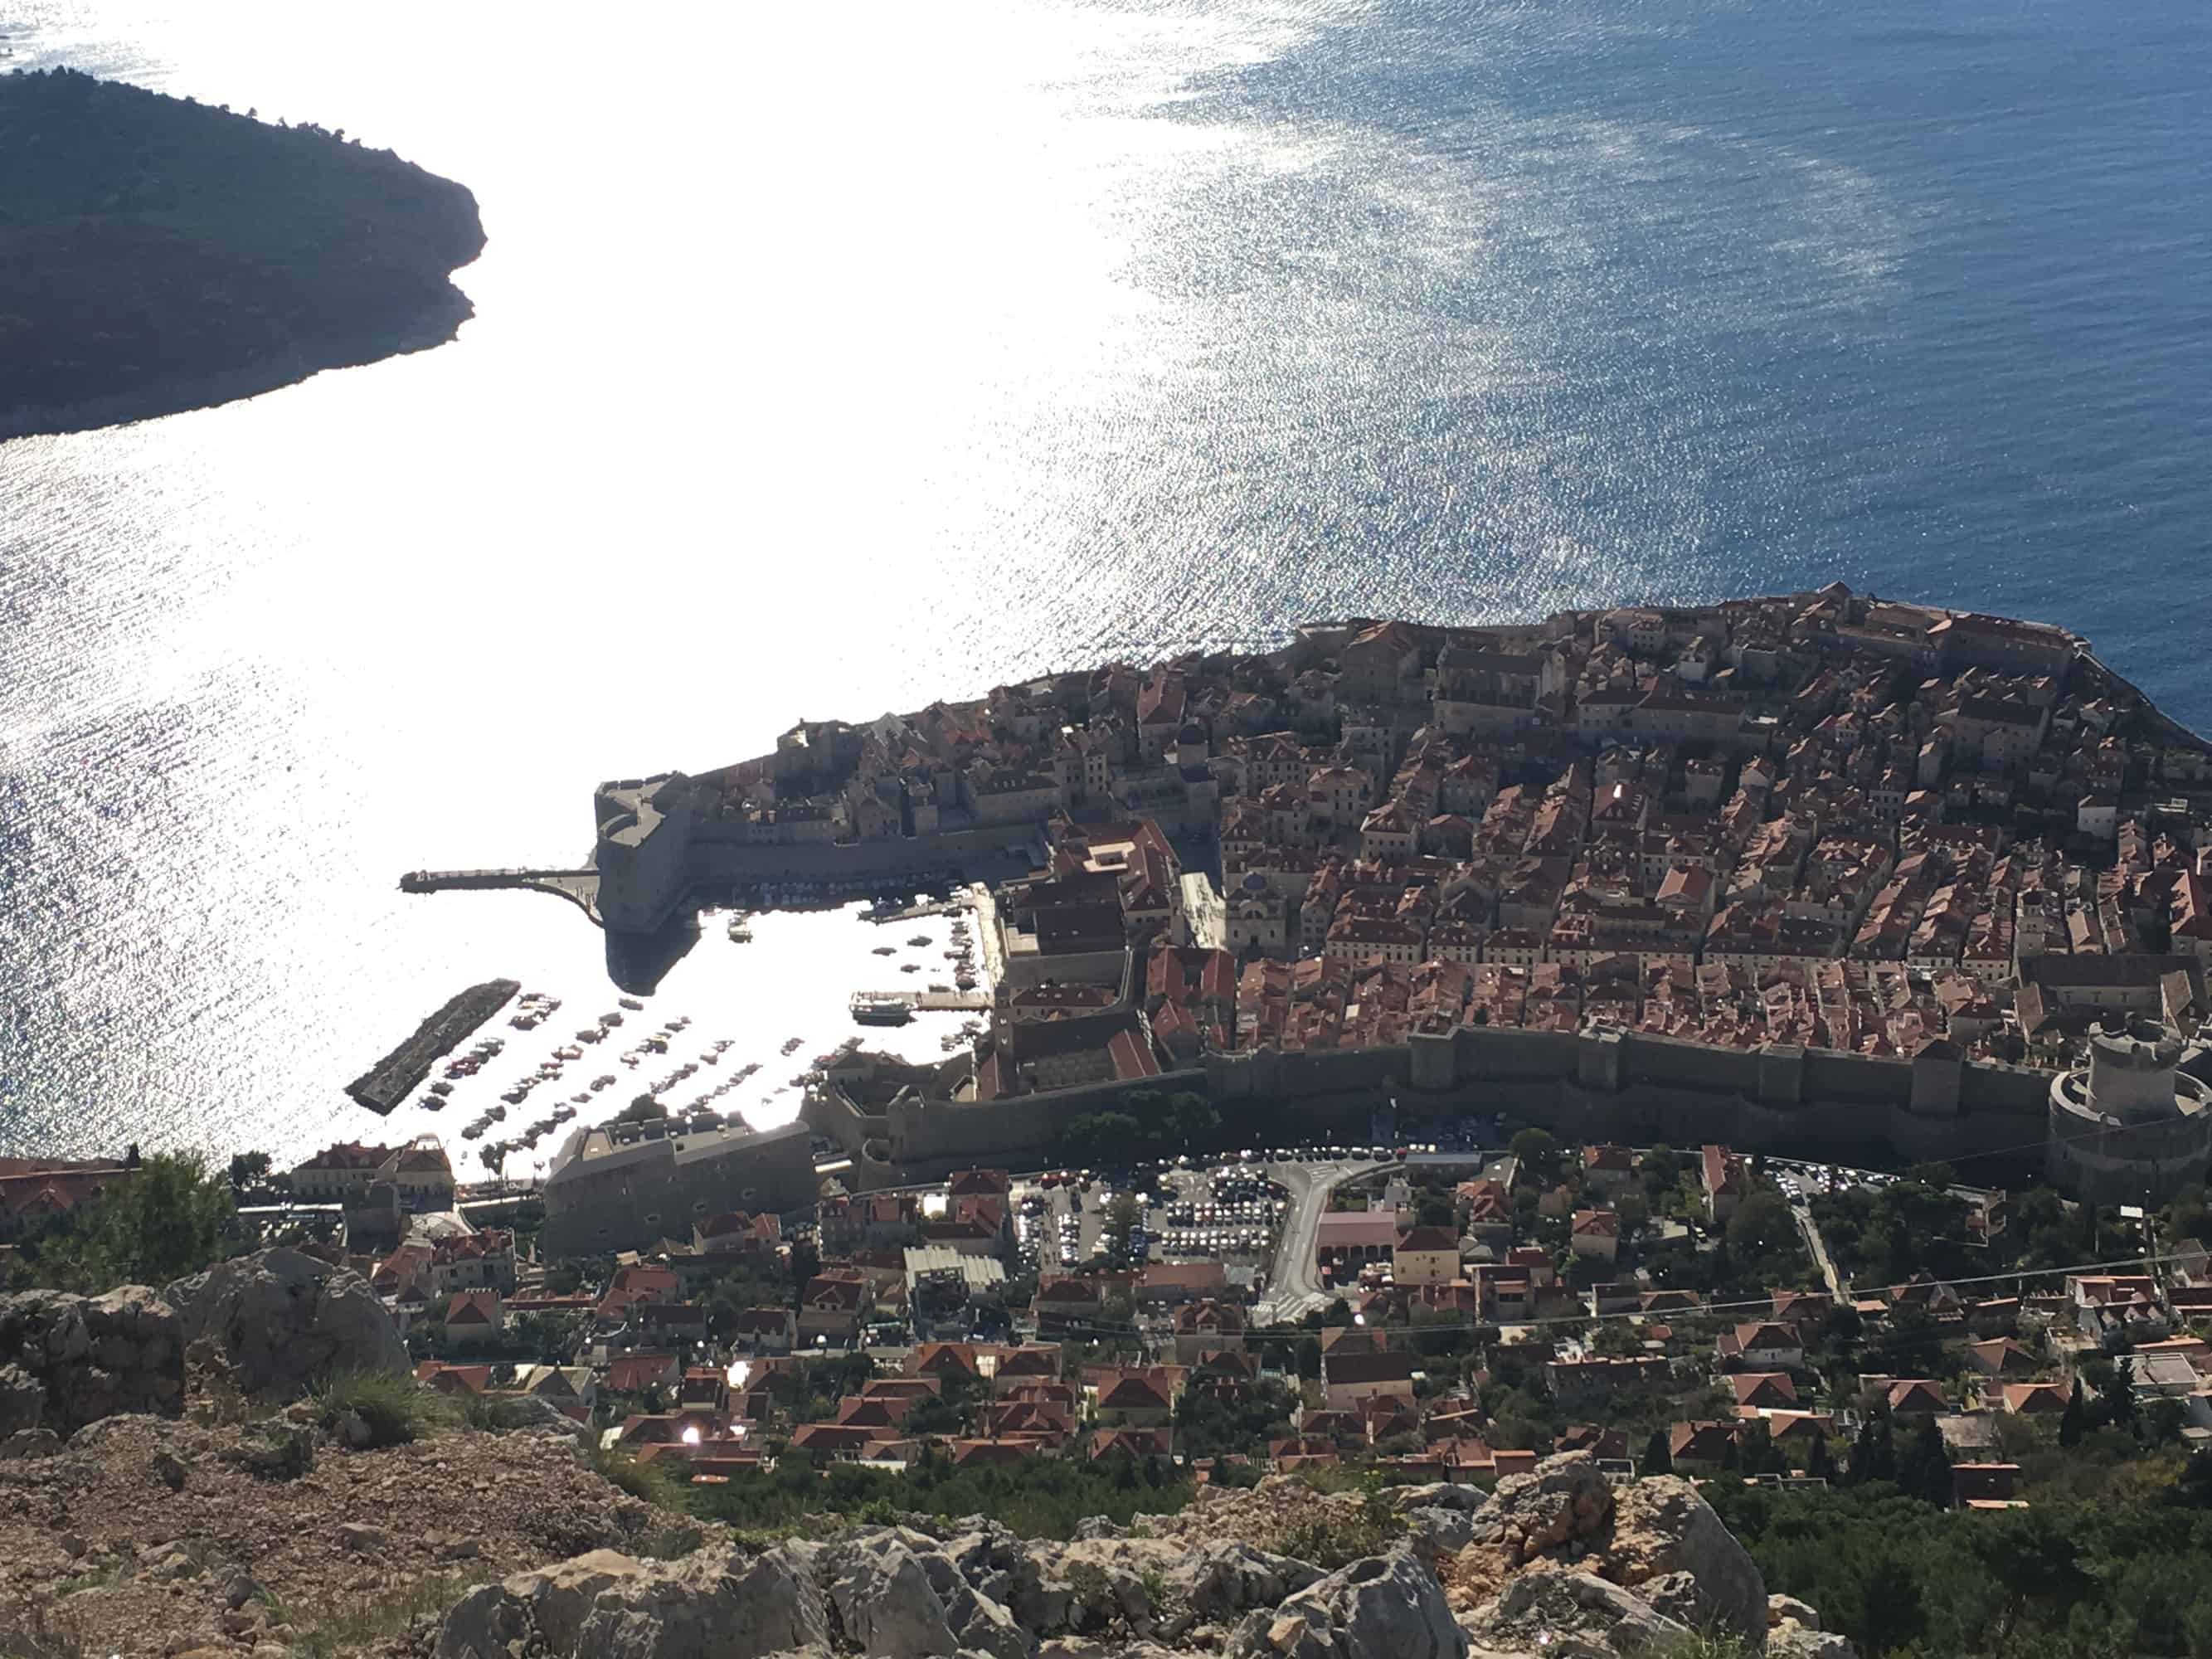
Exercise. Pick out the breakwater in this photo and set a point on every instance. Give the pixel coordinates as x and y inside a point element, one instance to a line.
<point>395,1076</point>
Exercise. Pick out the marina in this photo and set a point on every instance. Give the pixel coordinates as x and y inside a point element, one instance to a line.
<point>737,1028</point>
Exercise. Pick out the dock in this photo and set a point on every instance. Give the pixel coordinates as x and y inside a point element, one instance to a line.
<point>580,887</point>
<point>393,1078</point>
<point>949,1002</point>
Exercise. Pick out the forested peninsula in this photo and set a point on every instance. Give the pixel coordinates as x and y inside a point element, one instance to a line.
<point>158,254</point>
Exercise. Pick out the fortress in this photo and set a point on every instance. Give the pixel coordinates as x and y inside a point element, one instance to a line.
<point>1816,871</point>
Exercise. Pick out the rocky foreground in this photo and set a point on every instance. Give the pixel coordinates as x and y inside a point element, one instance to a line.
<point>164,1490</point>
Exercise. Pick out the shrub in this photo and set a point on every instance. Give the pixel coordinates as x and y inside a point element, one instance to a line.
<point>1335,1536</point>
<point>395,1409</point>
<point>646,1482</point>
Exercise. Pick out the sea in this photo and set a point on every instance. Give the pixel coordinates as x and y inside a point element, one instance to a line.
<point>830,360</point>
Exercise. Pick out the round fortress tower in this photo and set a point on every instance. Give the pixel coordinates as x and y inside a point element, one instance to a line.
<point>2130,1128</point>
<point>2131,1071</point>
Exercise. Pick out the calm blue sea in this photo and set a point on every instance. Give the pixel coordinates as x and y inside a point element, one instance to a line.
<point>831,360</point>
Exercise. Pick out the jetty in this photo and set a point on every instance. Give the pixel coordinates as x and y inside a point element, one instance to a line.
<point>580,887</point>
<point>400,1072</point>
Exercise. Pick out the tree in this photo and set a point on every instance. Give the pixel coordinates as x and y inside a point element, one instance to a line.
<point>1758,1453</point>
<point>169,1219</point>
<point>806,1263</point>
<point>1193,1122</point>
<point>1539,1153</point>
<point>1820,1462</point>
<point>1874,1454</point>
<point>1924,1470</point>
<point>1657,1458</point>
<point>2116,1395</point>
<point>248,1169</point>
<point>2075,1417</point>
<point>1122,1217</point>
<point>2163,1420</point>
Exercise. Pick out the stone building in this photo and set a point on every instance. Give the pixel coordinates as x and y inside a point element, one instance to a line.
<point>2130,1128</point>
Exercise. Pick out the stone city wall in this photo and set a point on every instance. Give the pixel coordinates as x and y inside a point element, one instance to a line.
<point>1590,1086</point>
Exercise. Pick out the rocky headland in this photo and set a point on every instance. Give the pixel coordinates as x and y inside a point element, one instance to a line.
<point>158,254</point>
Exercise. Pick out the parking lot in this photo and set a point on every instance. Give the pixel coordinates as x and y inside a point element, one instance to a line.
<point>1224,1212</point>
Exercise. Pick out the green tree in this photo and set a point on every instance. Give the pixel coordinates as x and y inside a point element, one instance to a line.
<point>2075,1417</point>
<point>1120,1225</point>
<point>1874,1454</point>
<point>1658,1459</point>
<point>1192,1123</point>
<point>168,1219</point>
<point>1539,1153</point>
<point>1820,1462</point>
<point>1924,1470</point>
<point>2116,1395</point>
<point>248,1169</point>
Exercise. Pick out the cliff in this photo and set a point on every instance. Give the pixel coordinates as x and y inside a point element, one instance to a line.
<point>158,254</point>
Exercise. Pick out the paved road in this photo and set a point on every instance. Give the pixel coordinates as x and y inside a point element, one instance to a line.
<point>1295,1287</point>
<point>1803,1213</point>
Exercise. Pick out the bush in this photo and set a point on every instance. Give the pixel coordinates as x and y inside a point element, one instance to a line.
<point>1335,1537</point>
<point>646,1482</point>
<point>395,1409</point>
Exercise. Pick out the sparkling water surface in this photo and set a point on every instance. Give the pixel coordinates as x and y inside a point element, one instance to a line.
<point>830,360</point>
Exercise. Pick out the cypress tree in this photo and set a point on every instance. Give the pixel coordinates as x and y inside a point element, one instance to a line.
<point>2075,1419</point>
<point>1657,1459</point>
<point>1821,1463</point>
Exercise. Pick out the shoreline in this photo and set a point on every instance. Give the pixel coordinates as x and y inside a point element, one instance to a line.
<point>427,331</point>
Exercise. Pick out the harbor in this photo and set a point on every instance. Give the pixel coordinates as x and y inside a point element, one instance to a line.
<point>769,993</point>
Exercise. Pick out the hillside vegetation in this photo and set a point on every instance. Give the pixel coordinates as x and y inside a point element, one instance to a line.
<point>157,253</point>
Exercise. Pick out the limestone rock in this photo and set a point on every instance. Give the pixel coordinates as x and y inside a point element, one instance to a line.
<point>1563,1614</point>
<point>1661,1525</point>
<point>706,1606</point>
<point>283,1321</point>
<point>1440,1495</point>
<point>883,1598</point>
<point>69,1360</point>
<point>1781,1609</point>
<point>1386,1604</point>
<point>1793,1638</point>
<point>1566,1513</point>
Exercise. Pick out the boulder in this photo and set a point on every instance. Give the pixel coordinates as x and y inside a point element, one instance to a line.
<point>1781,1609</point>
<point>1794,1640</point>
<point>283,1321</point>
<point>69,1360</point>
<point>1387,1604</point>
<point>1563,1614</point>
<point>883,1596</point>
<point>1562,1501</point>
<point>1661,1525</point>
<point>1566,1513</point>
<point>1440,1495</point>
<point>709,1605</point>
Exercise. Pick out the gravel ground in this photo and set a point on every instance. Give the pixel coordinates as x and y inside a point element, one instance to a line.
<point>147,1536</point>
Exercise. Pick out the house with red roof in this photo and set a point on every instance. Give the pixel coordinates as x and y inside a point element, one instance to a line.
<point>1594,1233</point>
<point>633,1373</point>
<point>473,1319</point>
<point>830,1306</point>
<point>1207,1327</point>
